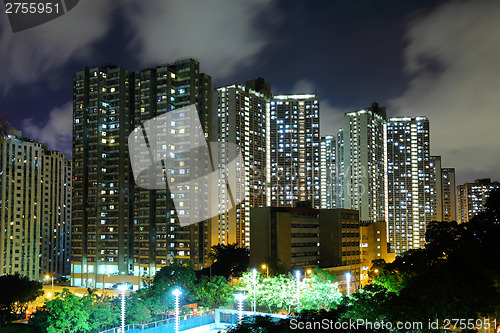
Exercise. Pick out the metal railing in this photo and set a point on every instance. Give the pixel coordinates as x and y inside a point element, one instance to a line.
<point>187,321</point>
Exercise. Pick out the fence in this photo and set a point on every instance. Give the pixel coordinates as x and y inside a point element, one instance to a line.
<point>168,325</point>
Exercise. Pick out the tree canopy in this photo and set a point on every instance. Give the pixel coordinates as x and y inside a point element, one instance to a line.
<point>229,260</point>
<point>16,291</point>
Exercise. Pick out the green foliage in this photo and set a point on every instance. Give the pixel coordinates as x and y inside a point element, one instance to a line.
<point>373,303</point>
<point>104,313</point>
<point>158,297</point>
<point>319,291</point>
<point>214,292</point>
<point>68,313</point>
<point>16,291</point>
<point>392,280</point>
<point>275,266</point>
<point>229,260</point>
<point>136,310</point>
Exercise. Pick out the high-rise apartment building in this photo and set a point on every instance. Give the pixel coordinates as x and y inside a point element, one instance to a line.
<point>449,194</point>
<point>157,91</point>
<point>294,150</point>
<point>35,201</point>
<point>409,184</point>
<point>471,197</point>
<point>56,214</point>
<point>328,172</point>
<point>340,169</point>
<point>241,120</point>
<point>445,204</point>
<point>437,203</point>
<point>361,163</point>
<point>121,231</point>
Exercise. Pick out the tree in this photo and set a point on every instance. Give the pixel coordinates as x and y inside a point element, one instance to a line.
<point>66,313</point>
<point>275,265</point>
<point>137,310</point>
<point>372,303</point>
<point>279,292</point>
<point>16,291</point>
<point>229,260</point>
<point>455,275</point>
<point>214,292</point>
<point>158,297</point>
<point>320,291</point>
<point>104,312</point>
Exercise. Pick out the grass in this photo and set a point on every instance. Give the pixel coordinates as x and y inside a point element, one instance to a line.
<point>17,328</point>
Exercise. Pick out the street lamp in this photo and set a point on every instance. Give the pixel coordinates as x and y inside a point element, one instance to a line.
<point>308,272</point>
<point>104,284</point>
<point>254,274</point>
<point>348,278</point>
<point>297,275</point>
<point>240,297</point>
<point>264,266</point>
<point>177,292</point>
<point>52,279</point>
<point>122,287</point>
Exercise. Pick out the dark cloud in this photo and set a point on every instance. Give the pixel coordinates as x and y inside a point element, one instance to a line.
<point>57,132</point>
<point>453,57</point>
<point>223,35</point>
<point>29,55</point>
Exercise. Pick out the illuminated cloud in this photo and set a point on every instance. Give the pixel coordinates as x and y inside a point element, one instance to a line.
<point>222,35</point>
<point>56,133</point>
<point>30,54</point>
<point>453,57</point>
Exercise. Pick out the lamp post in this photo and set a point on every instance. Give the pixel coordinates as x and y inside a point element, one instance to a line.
<point>254,274</point>
<point>52,279</point>
<point>122,287</point>
<point>103,283</point>
<point>264,266</point>
<point>308,272</point>
<point>348,278</point>
<point>297,275</point>
<point>240,297</point>
<point>177,292</point>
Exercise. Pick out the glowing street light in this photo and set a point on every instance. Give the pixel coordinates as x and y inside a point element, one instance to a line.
<point>122,287</point>
<point>348,278</point>
<point>52,279</point>
<point>254,274</point>
<point>177,292</point>
<point>264,266</point>
<point>240,297</point>
<point>297,275</point>
<point>308,272</point>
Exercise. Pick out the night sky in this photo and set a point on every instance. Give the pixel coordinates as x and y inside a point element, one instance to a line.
<point>439,59</point>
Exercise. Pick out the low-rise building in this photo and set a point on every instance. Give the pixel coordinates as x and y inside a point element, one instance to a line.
<point>374,246</point>
<point>306,237</point>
